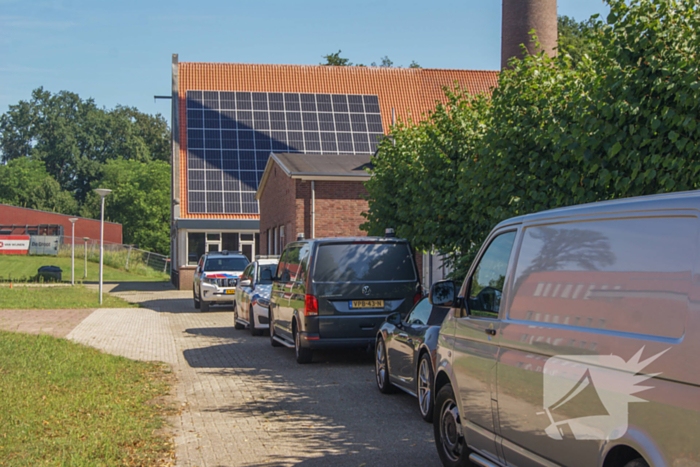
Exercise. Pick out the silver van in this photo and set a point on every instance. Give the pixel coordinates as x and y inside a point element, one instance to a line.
<point>575,340</point>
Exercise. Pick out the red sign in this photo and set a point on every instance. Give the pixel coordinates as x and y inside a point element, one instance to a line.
<point>14,244</point>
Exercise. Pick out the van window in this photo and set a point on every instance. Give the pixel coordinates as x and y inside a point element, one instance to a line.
<point>365,262</point>
<point>630,275</point>
<point>486,288</point>
<point>289,264</point>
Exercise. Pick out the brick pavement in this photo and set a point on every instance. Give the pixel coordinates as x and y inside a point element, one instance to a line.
<point>57,323</point>
<point>245,403</point>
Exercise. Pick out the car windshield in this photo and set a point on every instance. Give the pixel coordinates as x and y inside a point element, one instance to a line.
<point>364,261</point>
<point>225,264</point>
<point>268,278</point>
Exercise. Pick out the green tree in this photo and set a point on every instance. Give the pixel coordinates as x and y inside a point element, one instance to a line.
<point>140,201</point>
<point>621,123</point>
<point>574,38</point>
<point>26,183</point>
<point>335,59</point>
<point>74,138</point>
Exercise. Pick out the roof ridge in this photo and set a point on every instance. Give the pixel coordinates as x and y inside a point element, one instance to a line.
<point>330,67</point>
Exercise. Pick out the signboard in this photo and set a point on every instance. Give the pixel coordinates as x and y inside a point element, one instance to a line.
<point>44,244</point>
<point>14,244</point>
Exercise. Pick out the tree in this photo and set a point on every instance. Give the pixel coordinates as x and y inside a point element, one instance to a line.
<point>335,59</point>
<point>140,201</point>
<point>574,38</point>
<point>25,183</point>
<point>622,122</point>
<point>74,138</point>
<point>414,64</point>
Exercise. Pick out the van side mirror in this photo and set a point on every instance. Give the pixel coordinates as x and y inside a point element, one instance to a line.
<point>444,293</point>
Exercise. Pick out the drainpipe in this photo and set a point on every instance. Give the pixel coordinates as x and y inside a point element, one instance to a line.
<point>313,209</point>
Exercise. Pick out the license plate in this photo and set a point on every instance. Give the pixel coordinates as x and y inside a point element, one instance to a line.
<point>230,292</point>
<point>367,304</point>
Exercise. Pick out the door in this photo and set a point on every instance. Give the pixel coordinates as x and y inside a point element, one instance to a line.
<point>213,242</point>
<point>285,290</point>
<point>402,347</point>
<point>476,343</point>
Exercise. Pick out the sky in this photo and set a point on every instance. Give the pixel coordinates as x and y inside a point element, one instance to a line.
<point>120,52</point>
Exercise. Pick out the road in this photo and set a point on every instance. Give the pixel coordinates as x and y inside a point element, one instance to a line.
<point>245,403</point>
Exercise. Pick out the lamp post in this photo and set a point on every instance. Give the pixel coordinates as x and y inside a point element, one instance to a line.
<point>72,220</point>
<point>102,192</point>
<point>85,240</point>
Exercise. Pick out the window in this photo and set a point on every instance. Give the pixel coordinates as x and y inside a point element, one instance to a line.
<point>229,241</point>
<point>364,261</point>
<point>195,247</point>
<point>289,265</point>
<point>225,264</point>
<point>486,287</point>
<point>420,313</point>
<point>266,267</point>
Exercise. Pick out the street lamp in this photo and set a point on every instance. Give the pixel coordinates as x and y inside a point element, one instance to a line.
<point>72,220</point>
<point>85,240</point>
<point>102,192</point>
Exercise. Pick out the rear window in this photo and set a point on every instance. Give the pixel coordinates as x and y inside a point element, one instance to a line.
<point>225,264</point>
<point>364,262</point>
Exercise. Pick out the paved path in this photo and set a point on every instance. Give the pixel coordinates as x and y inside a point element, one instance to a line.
<point>248,404</point>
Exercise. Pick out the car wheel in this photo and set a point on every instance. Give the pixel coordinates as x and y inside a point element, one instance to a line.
<point>425,385</point>
<point>447,426</point>
<point>637,463</point>
<point>236,325</point>
<point>381,368</point>
<point>273,342</point>
<point>303,354</point>
<point>204,306</point>
<point>196,300</point>
<point>251,320</point>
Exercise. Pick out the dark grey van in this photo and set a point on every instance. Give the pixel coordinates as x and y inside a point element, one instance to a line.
<point>336,292</point>
<point>574,340</point>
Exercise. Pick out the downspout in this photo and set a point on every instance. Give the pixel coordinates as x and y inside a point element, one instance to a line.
<point>313,209</point>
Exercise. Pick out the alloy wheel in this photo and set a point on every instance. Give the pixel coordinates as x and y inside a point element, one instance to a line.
<point>380,364</point>
<point>424,386</point>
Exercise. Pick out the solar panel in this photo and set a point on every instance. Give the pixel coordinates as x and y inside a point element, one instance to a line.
<point>230,136</point>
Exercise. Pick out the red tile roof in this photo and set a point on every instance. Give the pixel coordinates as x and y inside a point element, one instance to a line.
<point>411,92</point>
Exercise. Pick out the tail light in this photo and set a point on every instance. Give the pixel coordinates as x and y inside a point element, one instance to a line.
<point>311,306</point>
<point>417,297</point>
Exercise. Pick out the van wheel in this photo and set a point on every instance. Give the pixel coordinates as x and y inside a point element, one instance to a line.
<point>304,354</point>
<point>251,320</point>
<point>425,386</point>
<point>637,463</point>
<point>381,368</point>
<point>447,427</point>
<point>236,325</point>
<point>273,342</point>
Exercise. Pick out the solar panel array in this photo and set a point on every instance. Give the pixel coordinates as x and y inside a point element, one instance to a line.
<point>230,136</point>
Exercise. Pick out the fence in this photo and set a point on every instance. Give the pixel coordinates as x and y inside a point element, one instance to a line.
<point>118,255</point>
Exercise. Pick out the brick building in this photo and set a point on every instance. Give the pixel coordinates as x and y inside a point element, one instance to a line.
<point>313,194</point>
<point>23,221</point>
<point>227,119</point>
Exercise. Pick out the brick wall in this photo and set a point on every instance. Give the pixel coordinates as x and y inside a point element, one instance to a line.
<point>277,206</point>
<point>339,208</point>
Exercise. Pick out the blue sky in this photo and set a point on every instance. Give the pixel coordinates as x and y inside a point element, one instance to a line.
<point>119,52</point>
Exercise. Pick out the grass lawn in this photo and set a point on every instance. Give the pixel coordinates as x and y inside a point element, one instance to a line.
<point>66,404</point>
<point>23,298</point>
<point>19,266</point>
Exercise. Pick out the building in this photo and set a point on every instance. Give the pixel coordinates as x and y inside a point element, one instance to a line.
<point>23,221</point>
<point>228,118</point>
<point>317,195</point>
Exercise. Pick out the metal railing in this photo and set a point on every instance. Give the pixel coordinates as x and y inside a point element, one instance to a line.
<point>117,255</point>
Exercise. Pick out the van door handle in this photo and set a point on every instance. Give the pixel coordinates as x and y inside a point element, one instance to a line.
<point>490,332</point>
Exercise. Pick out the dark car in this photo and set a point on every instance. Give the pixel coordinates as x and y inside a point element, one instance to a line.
<point>336,292</point>
<point>405,353</point>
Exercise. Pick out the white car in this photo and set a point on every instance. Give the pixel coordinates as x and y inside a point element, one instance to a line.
<point>216,277</point>
<point>251,307</point>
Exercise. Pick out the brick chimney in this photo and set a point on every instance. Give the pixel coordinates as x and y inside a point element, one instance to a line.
<point>519,17</point>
